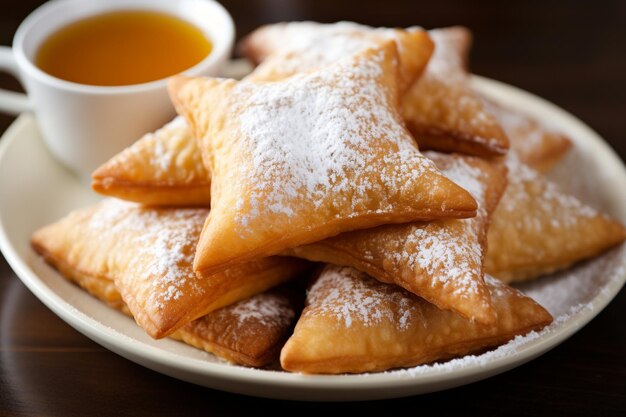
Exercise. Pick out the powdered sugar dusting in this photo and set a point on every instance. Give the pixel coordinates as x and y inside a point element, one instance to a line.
<point>533,140</point>
<point>302,46</point>
<point>164,240</point>
<point>525,133</point>
<point>466,175</point>
<point>565,295</point>
<point>451,259</point>
<point>170,155</point>
<point>355,298</point>
<point>446,62</point>
<point>317,135</point>
<point>527,186</point>
<point>267,309</point>
<point>439,260</point>
<point>504,351</point>
<point>450,251</point>
<point>163,157</point>
<point>443,101</point>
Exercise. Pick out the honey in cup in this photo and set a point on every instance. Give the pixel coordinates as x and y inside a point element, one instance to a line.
<point>122,48</point>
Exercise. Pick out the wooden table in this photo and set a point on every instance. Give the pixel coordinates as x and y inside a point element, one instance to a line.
<point>571,53</point>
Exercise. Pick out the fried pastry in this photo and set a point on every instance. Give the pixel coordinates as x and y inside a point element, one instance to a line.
<point>163,168</point>
<point>353,323</point>
<point>538,229</point>
<point>440,261</point>
<point>536,145</point>
<point>309,157</point>
<point>250,332</point>
<point>442,110</point>
<point>148,253</point>
<point>284,49</point>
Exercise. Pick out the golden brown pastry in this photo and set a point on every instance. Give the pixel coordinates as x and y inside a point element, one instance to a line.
<point>440,261</point>
<point>538,229</point>
<point>284,49</point>
<point>353,323</point>
<point>148,253</point>
<point>250,332</point>
<point>163,168</point>
<point>442,110</point>
<point>536,145</point>
<point>309,157</point>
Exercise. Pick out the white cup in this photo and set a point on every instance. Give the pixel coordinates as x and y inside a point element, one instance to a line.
<point>84,125</point>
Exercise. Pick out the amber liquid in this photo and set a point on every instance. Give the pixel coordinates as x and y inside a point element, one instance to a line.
<point>122,48</point>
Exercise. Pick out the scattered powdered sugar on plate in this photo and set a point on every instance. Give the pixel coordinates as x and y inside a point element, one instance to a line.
<point>565,295</point>
<point>584,186</point>
<point>577,285</point>
<point>507,350</point>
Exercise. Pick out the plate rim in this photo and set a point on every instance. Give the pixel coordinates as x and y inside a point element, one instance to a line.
<point>325,385</point>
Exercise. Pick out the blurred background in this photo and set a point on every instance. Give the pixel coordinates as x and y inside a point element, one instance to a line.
<point>570,52</point>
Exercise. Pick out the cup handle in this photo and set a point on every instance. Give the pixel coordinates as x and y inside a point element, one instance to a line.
<point>12,102</point>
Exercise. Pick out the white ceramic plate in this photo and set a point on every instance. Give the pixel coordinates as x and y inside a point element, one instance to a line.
<point>36,190</point>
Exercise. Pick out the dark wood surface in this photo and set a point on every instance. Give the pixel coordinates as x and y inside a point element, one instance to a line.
<point>570,52</point>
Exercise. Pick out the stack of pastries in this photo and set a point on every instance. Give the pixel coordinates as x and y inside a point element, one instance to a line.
<point>352,205</point>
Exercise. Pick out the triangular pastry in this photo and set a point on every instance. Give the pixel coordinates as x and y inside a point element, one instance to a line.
<point>440,108</point>
<point>163,168</point>
<point>250,332</point>
<point>538,229</point>
<point>353,323</point>
<point>443,111</point>
<point>537,145</point>
<point>100,286</point>
<point>148,253</point>
<point>284,49</point>
<point>440,261</point>
<point>309,157</point>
